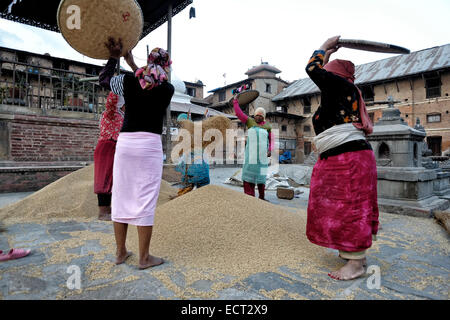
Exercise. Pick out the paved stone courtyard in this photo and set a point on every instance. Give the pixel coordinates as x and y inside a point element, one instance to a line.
<point>410,260</point>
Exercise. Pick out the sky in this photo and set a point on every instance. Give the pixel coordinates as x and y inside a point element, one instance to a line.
<point>228,37</point>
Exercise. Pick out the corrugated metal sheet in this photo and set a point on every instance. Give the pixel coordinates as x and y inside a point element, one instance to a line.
<point>387,69</point>
<point>196,109</point>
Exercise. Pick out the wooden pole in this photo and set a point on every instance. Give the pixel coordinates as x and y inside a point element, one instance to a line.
<point>168,113</point>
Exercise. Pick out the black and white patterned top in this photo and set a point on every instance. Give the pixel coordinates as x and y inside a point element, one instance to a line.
<point>144,109</point>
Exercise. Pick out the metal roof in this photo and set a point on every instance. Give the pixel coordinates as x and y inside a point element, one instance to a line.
<point>432,59</point>
<point>196,109</point>
<point>37,14</point>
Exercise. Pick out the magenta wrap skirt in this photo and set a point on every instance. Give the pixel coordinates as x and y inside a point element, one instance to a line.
<point>137,174</point>
<point>343,207</point>
<point>103,166</point>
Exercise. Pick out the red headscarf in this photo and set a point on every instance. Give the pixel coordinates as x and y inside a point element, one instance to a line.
<point>346,70</point>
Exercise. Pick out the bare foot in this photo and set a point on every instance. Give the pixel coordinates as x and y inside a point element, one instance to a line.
<point>123,257</point>
<point>352,270</point>
<point>104,217</point>
<point>151,261</point>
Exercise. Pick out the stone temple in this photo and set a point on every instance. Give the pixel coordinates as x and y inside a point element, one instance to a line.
<point>408,182</point>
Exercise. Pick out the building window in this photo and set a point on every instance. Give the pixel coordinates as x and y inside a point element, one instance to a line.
<point>306,129</point>
<point>222,96</point>
<point>367,93</point>
<point>436,117</point>
<point>283,128</point>
<point>21,57</point>
<point>190,92</point>
<point>306,101</point>
<point>58,64</point>
<point>268,88</point>
<point>306,109</point>
<point>307,148</point>
<point>433,85</point>
<point>283,109</point>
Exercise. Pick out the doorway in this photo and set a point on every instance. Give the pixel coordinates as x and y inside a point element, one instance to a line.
<point>435,145</point>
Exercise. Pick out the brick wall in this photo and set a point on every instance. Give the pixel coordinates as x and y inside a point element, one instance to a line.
<point>41,138</point>
<point>31,178</point>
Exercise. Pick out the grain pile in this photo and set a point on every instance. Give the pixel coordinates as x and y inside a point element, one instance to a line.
<point>230,232</point>
<point>210,233</point>
<point>71,197</point>
<point>443,218</point>
<point>220,123</point>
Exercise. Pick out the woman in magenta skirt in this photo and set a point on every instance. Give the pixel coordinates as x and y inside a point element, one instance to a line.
<point>110,125</point>
<point>138,160</point>
<point>342,208</point>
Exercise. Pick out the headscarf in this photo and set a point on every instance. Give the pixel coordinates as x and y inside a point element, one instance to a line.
<point>183,116</point>
<point>261,111</point>
<point>346,70</point>
<point>156,71</point>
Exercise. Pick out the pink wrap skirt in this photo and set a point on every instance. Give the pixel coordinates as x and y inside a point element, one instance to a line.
<point>137,174</point>
<point>343,207</point>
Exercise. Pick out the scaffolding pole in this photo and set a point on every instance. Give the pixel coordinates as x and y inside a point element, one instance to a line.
<point>168,114</point>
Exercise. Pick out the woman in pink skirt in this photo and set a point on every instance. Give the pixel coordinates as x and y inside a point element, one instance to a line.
<point>342,208</point>
<point>138,159</point>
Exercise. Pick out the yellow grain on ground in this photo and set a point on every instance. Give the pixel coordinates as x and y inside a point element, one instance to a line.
<point>69,198</point>
<point>221,229</point>
<point>212,233</point>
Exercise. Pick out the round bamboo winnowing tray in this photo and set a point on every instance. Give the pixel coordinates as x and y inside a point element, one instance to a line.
<point>372,46</point>
<point>88,28</point>
<point>245,97</point>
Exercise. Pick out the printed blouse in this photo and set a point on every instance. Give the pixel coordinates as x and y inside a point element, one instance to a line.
<point>339,97</point>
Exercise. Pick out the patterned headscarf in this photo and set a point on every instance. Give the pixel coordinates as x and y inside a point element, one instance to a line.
<point>346,69</point>
<point>156,71</point>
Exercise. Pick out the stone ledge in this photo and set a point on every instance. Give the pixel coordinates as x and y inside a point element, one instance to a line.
<point>39,169</point>
<point>422,208</point>
<point>405,174</point>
